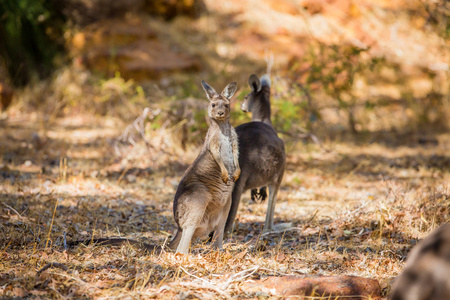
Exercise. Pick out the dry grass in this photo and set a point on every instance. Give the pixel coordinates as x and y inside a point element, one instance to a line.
<point>357,210</point>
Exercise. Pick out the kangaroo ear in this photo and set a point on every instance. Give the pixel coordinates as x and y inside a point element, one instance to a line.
<point>229,90</point>
<point>254,83</point>
<point>210,92</point>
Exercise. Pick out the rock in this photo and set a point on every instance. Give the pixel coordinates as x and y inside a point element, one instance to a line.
<point>129,46</point>
<point>83,12</point>
<point>331,287</point>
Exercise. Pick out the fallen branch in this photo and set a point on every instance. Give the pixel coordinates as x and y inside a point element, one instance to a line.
<point>221,288</point>
<point>15,211</point>
<point>54,265</point>
<point>238,277</point>
<point>281,231</point>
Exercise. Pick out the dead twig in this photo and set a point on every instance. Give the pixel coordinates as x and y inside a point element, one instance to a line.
<point>239,276</point>
<point>221,288</point>
<point>54,265</point>
<point>208,287</point>
<point>281,231</point>
<point>206,284</point>
<point>6,248</point>
<point>11,208</point>
<point>201,279</point>
<point>138,125</point>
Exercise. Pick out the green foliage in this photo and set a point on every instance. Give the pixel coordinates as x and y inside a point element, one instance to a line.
<point>333,70</point>
<point>287,114</point>
<point>31,35</point>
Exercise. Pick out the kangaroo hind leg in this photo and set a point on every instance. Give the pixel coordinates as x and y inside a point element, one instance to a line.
<point>220,229</point>
<point>190,212</point>
<point>273,191</point>
<point>185,241</point>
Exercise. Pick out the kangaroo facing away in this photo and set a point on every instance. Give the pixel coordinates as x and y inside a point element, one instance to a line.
<point>262,157</point>
<point>427,272</point>
<point>203,196</point>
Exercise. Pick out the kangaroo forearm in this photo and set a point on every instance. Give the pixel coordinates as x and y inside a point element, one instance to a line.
<point>218,159</point>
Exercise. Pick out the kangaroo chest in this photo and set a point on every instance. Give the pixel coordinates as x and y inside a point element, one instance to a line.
<point>226,151</point>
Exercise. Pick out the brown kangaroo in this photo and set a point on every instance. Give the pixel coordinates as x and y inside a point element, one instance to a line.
<point>427,272</point>
<point>262,157</point>
<point>203,197</point>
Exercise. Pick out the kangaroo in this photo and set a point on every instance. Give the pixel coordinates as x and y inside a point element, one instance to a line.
<point>427,272</point>
<point>261,152</point>
<point>203,197</point>
<point>260,110</point>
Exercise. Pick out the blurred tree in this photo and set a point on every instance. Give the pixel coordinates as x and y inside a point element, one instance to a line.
<point>31,35</point>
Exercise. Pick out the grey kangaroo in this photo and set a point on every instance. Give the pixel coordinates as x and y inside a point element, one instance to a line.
<point>203,197</point>
<point>427,272</point>
<point>262,157</point>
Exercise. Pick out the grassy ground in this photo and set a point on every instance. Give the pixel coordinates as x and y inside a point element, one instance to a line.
<point>357,209</point>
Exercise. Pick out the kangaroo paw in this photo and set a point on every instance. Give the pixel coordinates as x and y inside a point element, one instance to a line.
<point>225,176</point>
<point>236,174</point>
<point>254,194</point>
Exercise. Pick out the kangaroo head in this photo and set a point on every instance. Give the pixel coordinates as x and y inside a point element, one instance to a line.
<point>219,104</point>
<point>250,99</point>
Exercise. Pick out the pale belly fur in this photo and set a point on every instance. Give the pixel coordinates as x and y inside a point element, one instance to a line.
<point>226,152</point>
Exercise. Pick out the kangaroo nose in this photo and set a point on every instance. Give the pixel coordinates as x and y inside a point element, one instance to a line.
<point>220,113</point>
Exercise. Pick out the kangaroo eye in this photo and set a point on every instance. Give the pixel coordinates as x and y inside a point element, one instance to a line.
<point>213,105</point>
<point>226,105</point>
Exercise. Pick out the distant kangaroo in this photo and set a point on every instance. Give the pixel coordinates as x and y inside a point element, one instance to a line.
<point>262,157</point>
<point>203,197</point>
<point>427,272</point>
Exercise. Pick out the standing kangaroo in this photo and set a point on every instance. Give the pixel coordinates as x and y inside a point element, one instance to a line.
<point>262,156</point>
<point>203,197</point>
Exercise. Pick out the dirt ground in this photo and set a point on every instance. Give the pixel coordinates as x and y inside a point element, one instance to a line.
<point>356,209</point>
